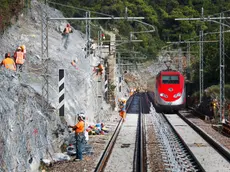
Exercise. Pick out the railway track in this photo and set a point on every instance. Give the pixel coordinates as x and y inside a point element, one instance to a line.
<point>223,128</point>
<point>125,150</point>
<point>209,154</point>
<point>223,152</point>
<point>206,153</point>
<point>174,152</point>
<point>181,147</point>
<point>186,150</point>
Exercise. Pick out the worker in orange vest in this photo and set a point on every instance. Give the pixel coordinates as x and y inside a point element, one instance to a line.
<point>99,69</point>
<point>65,34</point>
<point>8,62</point>
<point>67,29</point>
<point>122,106</point>
<point>19,58</point>
<point>73,63</point>
<point>79,129</point>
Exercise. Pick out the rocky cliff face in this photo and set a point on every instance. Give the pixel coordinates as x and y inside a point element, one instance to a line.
<point>27,135</point>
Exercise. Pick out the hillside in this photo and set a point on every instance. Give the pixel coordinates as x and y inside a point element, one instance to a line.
<point>28,135</point>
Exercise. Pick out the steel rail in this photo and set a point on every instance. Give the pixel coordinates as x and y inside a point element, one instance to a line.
<point>105,156</point>
<point>141,146</point>
<point>174,151</point>
<point>138,159</point>
<point>197,163</point>
<point>144,141</point>
<point>216,145</point>
<point>140,151</point>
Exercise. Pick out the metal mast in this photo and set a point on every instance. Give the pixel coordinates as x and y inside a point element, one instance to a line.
<point>188,61</point>
<point>119,72</point>
<point>44,48</point>
<point>99,43</point>
<point>201,71</point>
<point>180,60</point>
<point>222,72</point>
<point>88,43</point>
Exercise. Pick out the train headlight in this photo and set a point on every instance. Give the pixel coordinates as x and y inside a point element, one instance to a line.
<point>163,95</point>
<point>176,95</point>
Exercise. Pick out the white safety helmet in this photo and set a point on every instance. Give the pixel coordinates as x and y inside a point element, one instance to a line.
<point>81,115</point>
<point>123,100</point>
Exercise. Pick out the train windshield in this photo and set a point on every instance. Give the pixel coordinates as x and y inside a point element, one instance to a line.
<point>172,79</point>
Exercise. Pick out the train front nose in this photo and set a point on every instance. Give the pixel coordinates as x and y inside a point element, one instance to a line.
<point>171,98</point>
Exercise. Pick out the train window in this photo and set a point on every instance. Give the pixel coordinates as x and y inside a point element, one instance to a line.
<point>172,79</point>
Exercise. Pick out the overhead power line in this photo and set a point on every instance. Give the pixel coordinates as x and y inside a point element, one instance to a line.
<point>81,9</point>
<point>98,18</point>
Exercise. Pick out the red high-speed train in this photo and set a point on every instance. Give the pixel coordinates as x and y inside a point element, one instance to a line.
<point>170,94</point>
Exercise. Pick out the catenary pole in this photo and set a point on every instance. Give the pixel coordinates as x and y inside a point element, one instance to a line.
<point>188,58</point>
<point>201,70</point>
<point>180,61</point>
<point>119,72</point>
<point>45,59</point>
<point>88,43</point>
<point>222,72</point>
<point>222,56</point>
<point>201,66</point>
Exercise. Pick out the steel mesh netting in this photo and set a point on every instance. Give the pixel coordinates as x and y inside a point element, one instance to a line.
<point>25,136</point>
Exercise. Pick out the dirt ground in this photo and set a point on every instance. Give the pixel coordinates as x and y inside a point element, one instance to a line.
<point>89,162</point>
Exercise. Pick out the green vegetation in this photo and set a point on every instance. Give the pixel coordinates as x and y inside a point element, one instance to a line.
<point>9,11</point>
<point>214,91</point>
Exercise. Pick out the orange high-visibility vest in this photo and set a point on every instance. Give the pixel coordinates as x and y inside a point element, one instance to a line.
<point>9,63</point>
<point>79,127</point>
<point>67,29</point>
<point>73,63</point>
<point>100,67</point>
<point>19,57</point>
